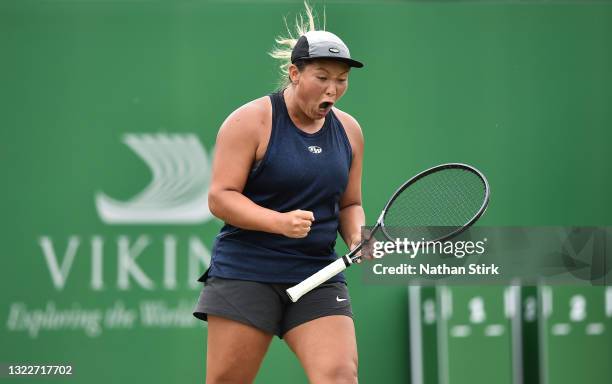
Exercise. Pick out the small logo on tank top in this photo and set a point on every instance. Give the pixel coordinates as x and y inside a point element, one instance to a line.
<point>315,149</point>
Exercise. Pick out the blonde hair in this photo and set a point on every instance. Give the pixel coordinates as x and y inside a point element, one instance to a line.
<point>282,51</point>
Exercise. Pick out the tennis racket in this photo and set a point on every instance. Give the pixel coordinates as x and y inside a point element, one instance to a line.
<point>437,204</point>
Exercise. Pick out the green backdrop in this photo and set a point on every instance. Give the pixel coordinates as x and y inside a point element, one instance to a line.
<point>522,90</point>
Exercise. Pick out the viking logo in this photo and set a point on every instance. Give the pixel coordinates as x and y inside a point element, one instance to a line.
<point>315,149</point>
<point>177,193</point>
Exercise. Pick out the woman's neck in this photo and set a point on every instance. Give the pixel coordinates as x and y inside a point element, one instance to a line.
<point>297,115</point>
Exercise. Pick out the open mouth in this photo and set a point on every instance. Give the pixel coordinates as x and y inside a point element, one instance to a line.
<point>325,106</point>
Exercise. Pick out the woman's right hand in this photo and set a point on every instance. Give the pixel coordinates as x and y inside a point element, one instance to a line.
<point>296,224</point>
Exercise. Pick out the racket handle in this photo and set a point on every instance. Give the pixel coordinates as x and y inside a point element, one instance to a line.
<point>318,278</point>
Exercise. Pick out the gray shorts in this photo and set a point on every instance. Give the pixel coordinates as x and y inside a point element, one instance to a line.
<point>267,307</point>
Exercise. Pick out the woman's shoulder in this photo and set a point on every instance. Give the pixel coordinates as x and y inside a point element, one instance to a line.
<point>259,108</point>
<point>351,126</point>
<point>251,116</point>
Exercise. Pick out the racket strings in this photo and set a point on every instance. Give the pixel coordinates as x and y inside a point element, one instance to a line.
<point>435,205</point>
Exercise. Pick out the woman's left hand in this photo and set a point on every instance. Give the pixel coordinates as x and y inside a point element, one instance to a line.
<point>366,250</point>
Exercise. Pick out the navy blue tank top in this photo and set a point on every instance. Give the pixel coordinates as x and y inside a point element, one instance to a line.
<point>298,171</point>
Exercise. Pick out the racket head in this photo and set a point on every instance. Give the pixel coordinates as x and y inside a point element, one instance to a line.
<point>436,204</point>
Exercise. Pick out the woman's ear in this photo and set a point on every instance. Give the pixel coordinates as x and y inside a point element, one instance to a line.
<point>294,74</point>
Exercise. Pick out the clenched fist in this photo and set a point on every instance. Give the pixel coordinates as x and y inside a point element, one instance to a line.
<point>296,224</point>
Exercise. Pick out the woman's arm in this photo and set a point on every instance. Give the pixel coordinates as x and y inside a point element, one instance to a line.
<point>352,216</point>
<point>235,151</point>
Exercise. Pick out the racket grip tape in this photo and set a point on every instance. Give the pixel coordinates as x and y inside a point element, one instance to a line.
<point>318,278</point>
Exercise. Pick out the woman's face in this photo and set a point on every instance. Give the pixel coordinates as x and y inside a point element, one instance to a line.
<point>319,86</point>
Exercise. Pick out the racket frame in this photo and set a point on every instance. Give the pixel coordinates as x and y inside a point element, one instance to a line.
<point>429,171</point>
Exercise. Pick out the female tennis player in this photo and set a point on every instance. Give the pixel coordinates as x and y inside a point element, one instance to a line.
<point>286,178</point>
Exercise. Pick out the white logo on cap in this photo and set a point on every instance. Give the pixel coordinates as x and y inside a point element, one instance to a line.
<point>334,50</point>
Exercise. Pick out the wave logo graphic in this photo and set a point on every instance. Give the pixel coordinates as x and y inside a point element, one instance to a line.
<point>177,193</point>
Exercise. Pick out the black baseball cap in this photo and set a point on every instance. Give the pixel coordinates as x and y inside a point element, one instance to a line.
<point>322,45</point>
